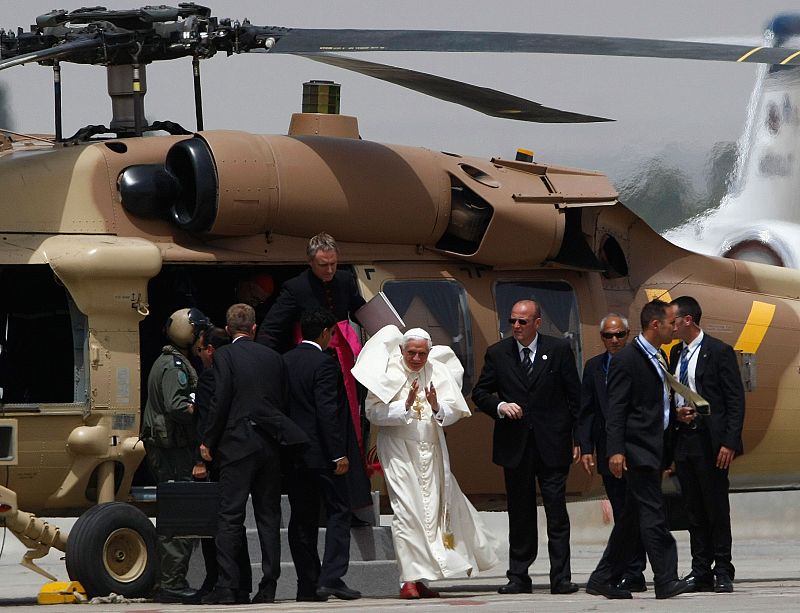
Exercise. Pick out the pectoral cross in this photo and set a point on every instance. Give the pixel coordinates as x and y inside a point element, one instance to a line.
<point>418,407</point>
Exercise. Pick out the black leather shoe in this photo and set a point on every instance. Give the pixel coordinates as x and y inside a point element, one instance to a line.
<point>263,597</point>
<point>311,598</point>
<point>633,584</point>
<point>242,597</point>
<point>702,583</point>
<point>184,596</point>
<point>219,595</point>
<point>357,522</point>
<point>595,588</point>
<point>342,592</point>
<point>673,588</point>
<point>515,587</point>
<point>564,587</point>
<point>723,584</point>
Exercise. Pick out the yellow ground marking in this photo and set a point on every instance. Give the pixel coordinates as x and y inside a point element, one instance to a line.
<point>761,314</point>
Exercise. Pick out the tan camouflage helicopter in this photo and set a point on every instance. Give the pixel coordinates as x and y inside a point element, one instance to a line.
<point>106,232</point>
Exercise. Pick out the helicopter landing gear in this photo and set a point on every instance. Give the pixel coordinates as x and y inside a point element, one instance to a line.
<point>112,548</point>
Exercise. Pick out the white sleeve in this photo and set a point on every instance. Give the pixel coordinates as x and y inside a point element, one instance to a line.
<point>446,416</point>
<point>382,414</point>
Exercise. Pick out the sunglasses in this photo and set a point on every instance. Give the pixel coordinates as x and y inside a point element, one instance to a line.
<point>613,334</point>
<point>521,322</point>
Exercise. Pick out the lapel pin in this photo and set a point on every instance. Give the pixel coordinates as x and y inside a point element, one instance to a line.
<point>544,357</point>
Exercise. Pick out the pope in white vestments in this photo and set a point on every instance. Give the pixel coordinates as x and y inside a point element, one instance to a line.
<point>414,392</point>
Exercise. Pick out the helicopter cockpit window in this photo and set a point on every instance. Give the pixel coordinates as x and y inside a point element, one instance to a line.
<point>559,308</point>
<point>440,307</point>
<point>43,339</point>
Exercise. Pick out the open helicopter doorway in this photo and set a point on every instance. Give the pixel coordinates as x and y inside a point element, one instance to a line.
<point>43,341</point>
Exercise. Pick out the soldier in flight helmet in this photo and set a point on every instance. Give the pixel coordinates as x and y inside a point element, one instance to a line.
<point>169,437</point>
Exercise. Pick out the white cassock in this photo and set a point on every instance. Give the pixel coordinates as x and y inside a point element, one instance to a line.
<point>429,507</point>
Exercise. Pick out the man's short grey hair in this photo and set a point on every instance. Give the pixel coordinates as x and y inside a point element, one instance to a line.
<point>321,242</point>
<point>624,321</point>
<point>416,334</point>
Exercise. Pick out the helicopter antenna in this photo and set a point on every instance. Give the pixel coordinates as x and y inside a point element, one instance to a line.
<point>198,93</point>
<point>29,136</point>
<point>57,98</point>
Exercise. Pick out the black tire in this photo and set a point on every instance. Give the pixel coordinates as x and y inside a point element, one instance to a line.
<point>112,548</point>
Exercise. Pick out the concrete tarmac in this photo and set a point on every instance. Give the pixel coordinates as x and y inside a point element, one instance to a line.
<point>767,579</point>
<point>766,528</point>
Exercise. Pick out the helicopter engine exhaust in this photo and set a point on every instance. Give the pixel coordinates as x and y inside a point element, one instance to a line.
<point>226,183</point>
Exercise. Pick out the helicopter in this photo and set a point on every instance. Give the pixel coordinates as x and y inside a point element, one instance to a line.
<point>108,230</point>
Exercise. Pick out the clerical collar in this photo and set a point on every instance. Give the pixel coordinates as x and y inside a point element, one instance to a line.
<point>312,343</point>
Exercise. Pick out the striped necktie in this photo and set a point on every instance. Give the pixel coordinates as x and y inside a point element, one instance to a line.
<point>684,366</point>
<point>526,361</point>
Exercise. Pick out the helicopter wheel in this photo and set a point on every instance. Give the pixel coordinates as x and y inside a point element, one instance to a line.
<point>112,548</point>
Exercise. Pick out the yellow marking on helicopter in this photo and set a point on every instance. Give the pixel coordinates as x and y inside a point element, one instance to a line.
<point>791,57</point>
<point>761,314</point>
<point>657,294</point>
<point>749,53</point>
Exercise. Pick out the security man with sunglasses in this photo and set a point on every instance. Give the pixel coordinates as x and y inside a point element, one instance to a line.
<point>591,435</point>
<point>529,386</point>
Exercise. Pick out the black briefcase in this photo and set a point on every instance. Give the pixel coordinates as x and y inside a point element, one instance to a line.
<point>187,508</point>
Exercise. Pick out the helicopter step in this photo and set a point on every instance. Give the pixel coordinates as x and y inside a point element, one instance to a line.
<point>373,570</point>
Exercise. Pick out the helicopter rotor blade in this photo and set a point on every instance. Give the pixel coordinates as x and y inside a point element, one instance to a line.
<point>299,41</point>
<point>482,99</point>
<point>51,53</point>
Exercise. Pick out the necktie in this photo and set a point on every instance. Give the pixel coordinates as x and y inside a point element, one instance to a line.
<point>689,395</point>
<point>684,366</point>
<point>526,361</point>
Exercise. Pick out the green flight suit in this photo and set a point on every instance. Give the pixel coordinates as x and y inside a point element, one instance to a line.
<point>170,440</point>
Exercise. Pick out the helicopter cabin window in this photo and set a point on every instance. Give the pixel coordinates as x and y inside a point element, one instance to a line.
<point>440,307</point>
<point>43,339</point>
<point>557,302</point>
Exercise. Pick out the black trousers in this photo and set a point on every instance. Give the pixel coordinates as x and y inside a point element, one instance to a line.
<point>257,475</point>
<point>209,548</point>
<point>523,532</point>
<point>643,513</point>
<point>307,487</point>
<point>616,490</point>
<point>705,491</point>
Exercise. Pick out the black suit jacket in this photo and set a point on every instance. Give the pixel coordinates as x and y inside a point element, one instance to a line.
<point>315,404</point>
<point>304,292</point>
<point>549,400</point>
<point>249,402</point>
<point>720,383</point>
<point>591,426</point>
<point>635,417</point>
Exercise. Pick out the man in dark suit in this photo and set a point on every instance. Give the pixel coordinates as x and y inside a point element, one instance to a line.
<point>636,425</point>
<point>211,340</point>
<point>246,427</point>
<point>316,406</point>
<point>591,434</point>
<point>705,445</point>
<point>321,285</point>
<point>529,386</point>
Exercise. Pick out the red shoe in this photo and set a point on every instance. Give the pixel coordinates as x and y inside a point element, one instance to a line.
<point>425,591</point>
<point>409,591</point>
